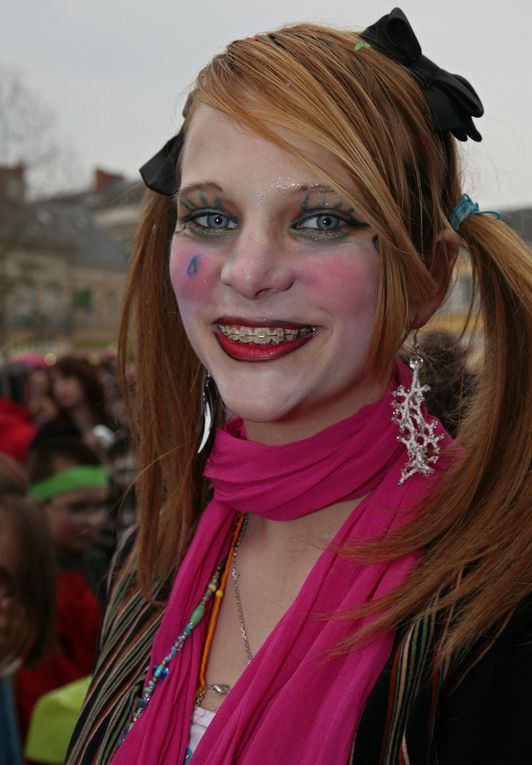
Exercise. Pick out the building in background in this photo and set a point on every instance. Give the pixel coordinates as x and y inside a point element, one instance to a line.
<point>62,272</point>
<point>114,203</point>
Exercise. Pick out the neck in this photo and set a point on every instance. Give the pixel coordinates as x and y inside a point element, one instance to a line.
<point>314,530</point>
<point>306,423</point>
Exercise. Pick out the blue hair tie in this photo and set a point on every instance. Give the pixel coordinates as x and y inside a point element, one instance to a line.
<point>466,207</point>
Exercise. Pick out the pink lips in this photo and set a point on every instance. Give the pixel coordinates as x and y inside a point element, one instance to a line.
<point>255,352</point>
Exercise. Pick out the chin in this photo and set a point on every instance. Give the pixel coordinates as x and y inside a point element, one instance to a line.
<point>253,404</point>
<point>252,412</point>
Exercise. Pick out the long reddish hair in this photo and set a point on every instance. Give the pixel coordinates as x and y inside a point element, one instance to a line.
<point>371,113</point>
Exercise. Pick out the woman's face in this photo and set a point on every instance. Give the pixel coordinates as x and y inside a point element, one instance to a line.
<point>76,518</point>
<point>68,391</point>
<point>276,279</point>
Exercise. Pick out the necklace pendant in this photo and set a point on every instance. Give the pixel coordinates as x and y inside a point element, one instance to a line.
<point>220,688</point>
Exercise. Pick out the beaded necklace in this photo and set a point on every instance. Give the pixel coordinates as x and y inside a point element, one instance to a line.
<point>215,587</point>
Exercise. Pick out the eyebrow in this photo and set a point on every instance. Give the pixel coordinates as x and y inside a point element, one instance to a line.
<point>212,186</point>
<point>207,186</point>
<point>314,187</point>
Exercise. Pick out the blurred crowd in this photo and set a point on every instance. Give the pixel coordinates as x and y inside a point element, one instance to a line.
<point>66,498</point>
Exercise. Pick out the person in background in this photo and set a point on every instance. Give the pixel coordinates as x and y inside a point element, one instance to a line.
<point>27,595</point>
<point>17,430</point>
<point>41,404</point>
<point>85,394</point>
<point>70,486</point>
<point>81,397</point>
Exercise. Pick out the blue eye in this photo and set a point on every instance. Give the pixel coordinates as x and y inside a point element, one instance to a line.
<point>322,222</point>
<point>217,221</point>
<point>208,223</point>
<point>322,225</point>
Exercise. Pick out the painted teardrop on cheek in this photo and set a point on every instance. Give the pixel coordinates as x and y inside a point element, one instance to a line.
<point>193,266</point>
<point>192,274</point>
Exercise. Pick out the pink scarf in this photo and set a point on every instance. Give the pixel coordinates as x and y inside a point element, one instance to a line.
<point>293,703</point>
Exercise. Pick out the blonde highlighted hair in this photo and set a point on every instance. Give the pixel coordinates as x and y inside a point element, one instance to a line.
<point>372,115</point>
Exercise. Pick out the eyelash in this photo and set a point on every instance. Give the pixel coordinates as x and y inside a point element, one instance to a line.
<point>339,232</point>
<point>191,223</point>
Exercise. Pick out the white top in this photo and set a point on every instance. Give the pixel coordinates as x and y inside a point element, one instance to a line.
<point>201,719</point>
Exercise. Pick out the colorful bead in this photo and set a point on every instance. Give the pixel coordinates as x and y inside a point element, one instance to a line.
<point>160,671</point>
<point>197,615</point>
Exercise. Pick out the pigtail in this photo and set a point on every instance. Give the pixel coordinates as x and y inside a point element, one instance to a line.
<point>498,426</point>
<point>164,404</point>
<point>493,539</point>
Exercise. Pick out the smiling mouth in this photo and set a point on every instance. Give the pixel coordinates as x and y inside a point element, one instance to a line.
<point>247,342</point>
<point>263,335</point>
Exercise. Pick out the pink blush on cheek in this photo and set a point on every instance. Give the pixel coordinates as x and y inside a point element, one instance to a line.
<point>344,280</point>
<point>192,273</point>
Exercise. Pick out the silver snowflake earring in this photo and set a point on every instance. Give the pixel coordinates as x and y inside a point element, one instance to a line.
<point>415,432</point>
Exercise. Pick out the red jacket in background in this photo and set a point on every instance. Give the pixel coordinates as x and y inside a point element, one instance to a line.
<point>78,620</point>
<point>16,430</point>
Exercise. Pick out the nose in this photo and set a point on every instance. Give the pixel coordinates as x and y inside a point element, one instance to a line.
<point>257,264</point>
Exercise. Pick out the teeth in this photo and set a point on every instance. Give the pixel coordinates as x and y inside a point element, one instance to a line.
<point>263,335</point>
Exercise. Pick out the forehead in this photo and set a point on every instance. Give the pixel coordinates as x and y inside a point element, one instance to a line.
<point>217,146</point>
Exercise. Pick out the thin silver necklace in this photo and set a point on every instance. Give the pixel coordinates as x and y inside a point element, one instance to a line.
<point>222,689</point>
<point>234,574</point>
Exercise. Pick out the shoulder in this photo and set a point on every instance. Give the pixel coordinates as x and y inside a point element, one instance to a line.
<point>128,629</point>
<point>485,715</point>
<point>480,715</point>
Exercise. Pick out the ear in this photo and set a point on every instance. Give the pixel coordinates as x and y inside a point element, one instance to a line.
<point>447,247</point>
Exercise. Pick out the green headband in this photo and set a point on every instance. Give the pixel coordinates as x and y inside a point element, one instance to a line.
<point>80,477</point>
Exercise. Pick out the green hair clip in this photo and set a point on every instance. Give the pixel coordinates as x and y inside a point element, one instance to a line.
<point>361,45</point>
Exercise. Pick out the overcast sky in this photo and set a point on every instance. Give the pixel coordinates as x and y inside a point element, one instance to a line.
<point>115,72</point>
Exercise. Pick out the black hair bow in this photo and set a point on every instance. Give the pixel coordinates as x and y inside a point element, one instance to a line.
<point>452,100</point>
<point>160,172</point>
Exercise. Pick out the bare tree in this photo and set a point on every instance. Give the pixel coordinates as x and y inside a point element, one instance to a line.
<point>29,136</point>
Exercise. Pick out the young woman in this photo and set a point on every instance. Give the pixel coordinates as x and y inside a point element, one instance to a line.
<point>327,578</point>
<point>78,391</point>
